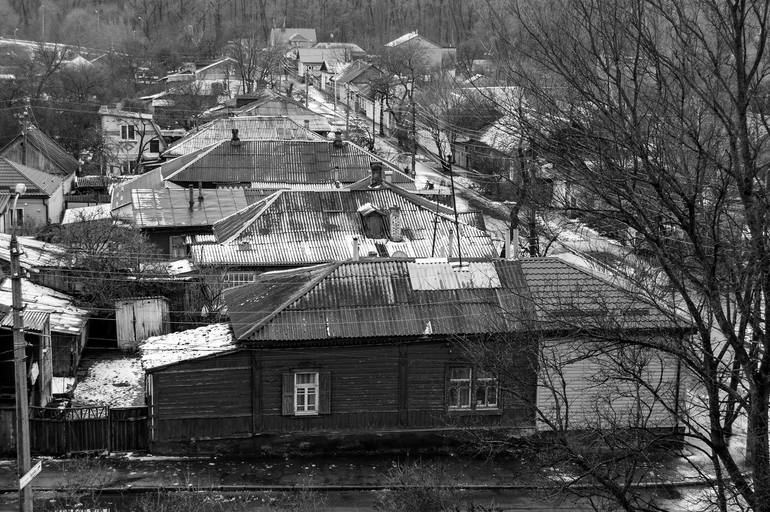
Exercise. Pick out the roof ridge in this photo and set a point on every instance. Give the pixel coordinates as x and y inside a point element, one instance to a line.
<point>294,297</point>
<point>263,203</point>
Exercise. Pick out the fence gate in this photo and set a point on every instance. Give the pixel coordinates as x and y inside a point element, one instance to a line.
<point>87,429</point>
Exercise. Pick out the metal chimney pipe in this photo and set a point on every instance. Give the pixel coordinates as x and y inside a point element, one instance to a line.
<point>200,191</point>
<point>192,196</point>
<point>356,253</point>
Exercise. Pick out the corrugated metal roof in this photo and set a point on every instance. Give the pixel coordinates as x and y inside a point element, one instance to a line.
<point>309,227</point>
<point>278,161</point>
<point>249,128</point>
<point>34,253</point>
<point>369,299</point>
<point>31,319</point>
<point>170,208</point>
<point>279,105</point>
<point>318,55</point>
<point>37,182</point>
<point>65,317</point>
<point>190,344</point>
<point>121,192</point>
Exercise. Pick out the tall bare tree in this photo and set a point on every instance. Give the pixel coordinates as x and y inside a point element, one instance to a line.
<point>656,109</point>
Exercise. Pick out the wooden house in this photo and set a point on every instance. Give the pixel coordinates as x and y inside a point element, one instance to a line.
<point>33,148</point>
<point>292,37</point>
<point>432,54</point>
<point>37,334</point>
<point>392,347</point>
<point>41,204</point>
<point>68,323</point>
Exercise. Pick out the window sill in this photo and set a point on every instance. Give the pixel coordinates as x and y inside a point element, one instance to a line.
<point>475,412</point>
<point>305,414</point>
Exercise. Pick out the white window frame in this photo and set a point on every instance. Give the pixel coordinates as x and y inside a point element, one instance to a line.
<point>458,382</point>
<point>471,385</point>
<point>487,380</point>
<point>303,390</point>
<point>128,132</point>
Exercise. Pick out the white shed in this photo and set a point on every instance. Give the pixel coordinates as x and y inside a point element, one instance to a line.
<point>139,318</point>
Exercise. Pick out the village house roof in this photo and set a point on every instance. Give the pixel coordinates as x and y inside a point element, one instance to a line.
<point>87,213</point>
<point>278,161</point>
<point>65,163</point>
<point>351,48</point>
<point>318,55</point>
<point>388,298</point>
<point>249,128</point>
<point>65,317</point>
<point>121,192</point>
<point>274,104</point>
<point>163,208</point>
<point>34,253</point>
<point>190,344</point>
<point>293,227</point>
<point>410,36</point>
<point>38,182</point>
<point>352,71</point>
<point>282,36</point>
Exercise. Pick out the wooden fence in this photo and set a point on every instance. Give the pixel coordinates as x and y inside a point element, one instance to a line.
<point>87,429</point>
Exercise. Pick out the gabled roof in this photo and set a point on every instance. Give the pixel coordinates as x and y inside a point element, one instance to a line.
<point>37,182</point>
<point>121,192</point>
<point>274,104</point>
<point>164,208</point>
<point>249,128</point>
<point>65,163</point>
<point>389,298</point>
<point>277,161</point>
<point>354,70</point>
<point>410,36</point>
<point>351,48</point>
<point>318,55</point>
<point>293,227</point>
<point>281,36</point>
<point>226,60</point>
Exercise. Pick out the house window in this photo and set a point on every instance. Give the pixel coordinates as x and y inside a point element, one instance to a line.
<point>155,146</point>
<point>471,389</point>
<point>306,393</point>
<point>128,132</point>
<point>17,217</point>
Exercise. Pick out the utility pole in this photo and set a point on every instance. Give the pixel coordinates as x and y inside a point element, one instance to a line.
<point>307,85</point>
<point>347,109</point>
<point>24,460</point>
<point>414,132</point>
<point>450,159</point>
<point>534,245</point>
<point>374,114</point>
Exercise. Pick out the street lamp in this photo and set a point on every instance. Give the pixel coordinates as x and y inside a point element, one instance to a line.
<point>19,361</point>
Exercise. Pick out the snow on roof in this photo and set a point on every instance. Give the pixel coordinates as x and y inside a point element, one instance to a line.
<point>116,382</point>
<point>65,317</point>
<point>87,213</point>
<point>181,346</point>
<point>401,40</point>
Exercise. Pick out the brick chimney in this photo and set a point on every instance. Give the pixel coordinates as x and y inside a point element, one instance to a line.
<point>235,141</point>
<point>376,177</point>
<point>394,216</point>
<point>307,124</point>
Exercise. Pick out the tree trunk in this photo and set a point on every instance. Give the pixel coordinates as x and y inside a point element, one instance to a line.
<point>757,448</point>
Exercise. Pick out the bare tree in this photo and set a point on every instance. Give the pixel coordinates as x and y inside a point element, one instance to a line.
<point>256,65</point>
<point>656,109</point>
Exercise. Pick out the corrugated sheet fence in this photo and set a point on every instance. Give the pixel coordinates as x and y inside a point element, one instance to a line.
<point>87,429</point>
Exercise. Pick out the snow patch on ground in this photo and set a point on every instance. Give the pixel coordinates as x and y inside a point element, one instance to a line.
<point>117,382</point>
